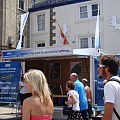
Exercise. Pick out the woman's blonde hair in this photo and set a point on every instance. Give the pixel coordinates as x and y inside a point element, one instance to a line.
<point>38,81</point>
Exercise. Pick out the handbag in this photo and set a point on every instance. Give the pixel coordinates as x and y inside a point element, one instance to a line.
<point>67,110</point>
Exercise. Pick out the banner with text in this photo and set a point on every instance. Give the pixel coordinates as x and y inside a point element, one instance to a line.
<point>99,86</point>
<point>9,80</point>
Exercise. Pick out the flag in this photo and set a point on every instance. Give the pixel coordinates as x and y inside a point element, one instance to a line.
<point>97,41</point>
<point>22,25</point>
<point>62,35</point>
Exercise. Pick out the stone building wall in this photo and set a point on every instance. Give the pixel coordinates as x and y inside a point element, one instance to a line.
<point>10,22</point>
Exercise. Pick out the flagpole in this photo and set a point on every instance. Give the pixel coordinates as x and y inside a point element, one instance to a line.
<point>97,36</point>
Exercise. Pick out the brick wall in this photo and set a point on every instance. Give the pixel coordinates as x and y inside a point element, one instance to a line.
<point>64,70</point>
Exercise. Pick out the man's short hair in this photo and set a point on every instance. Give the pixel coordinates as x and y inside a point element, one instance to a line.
<point>112,62</point>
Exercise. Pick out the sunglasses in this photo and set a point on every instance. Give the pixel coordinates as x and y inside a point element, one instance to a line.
<point>100,66</point>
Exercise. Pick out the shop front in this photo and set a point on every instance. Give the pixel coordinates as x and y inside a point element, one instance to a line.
<point>56,63</point>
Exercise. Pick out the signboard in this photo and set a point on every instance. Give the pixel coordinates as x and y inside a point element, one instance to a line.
<point>99,86</point>
<point>9,79</point>
<point>43,52</point>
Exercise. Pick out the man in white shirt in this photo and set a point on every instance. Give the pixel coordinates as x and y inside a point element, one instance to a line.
<point>108,69</point>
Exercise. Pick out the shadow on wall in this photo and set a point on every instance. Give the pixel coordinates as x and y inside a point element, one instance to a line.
<point>77,69</point>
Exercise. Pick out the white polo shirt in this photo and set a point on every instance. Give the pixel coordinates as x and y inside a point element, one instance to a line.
<point>24,89</point>
<point>112,95</point>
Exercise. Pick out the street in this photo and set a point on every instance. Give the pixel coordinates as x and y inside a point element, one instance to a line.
<point>9,112</point>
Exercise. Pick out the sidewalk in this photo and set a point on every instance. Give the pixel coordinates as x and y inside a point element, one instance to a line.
<point>9,112</point>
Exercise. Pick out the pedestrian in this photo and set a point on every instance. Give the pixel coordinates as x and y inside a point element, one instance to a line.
<point>108,69</point>
<point>73,101</point>
<point>88,95</point>
<point>23,92</point>
<point>79,87</point>
<point>39,106</point>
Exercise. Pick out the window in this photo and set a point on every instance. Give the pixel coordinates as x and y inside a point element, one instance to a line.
<point>23,41</point>
<point>87,42</point>
<point>88,11</point>
<point>54,69</point>
<point>41,22</point>
<point>41,45</point>
<point>93,42</point>
<point>22,4</point>
<point>94,9</point>
<point>83,12</point>
<point>84,42</point>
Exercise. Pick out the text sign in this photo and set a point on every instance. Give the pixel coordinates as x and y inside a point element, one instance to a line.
<point>30,53</point>
<point>99,86</point>
<point>9,80</point>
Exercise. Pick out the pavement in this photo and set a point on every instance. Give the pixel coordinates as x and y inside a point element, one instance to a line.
<point>11,112</point>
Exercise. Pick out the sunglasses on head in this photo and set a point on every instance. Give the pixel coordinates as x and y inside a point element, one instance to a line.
<point>100,65</point>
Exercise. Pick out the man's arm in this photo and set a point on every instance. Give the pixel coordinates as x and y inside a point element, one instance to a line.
<point>108,111</point>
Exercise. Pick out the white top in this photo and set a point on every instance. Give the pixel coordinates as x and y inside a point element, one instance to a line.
<point>23,90</point>
<point>112,95</point>
<point>76,95</point>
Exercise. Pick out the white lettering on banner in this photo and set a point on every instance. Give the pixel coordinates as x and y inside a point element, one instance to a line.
<point>8,98</point>
<point>13,93</point>
<point>7,65</point>
<point>4,88</point>
<point>28,53</point>
<point>3,92</point>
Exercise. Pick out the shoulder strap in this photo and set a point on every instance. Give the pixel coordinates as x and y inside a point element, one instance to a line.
<point>116,113</point>
<point>113,79</point>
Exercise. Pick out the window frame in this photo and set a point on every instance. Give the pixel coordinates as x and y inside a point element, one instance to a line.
<point>41,44</point>
<point>82,12</point>
<point>90,44</point>
<point>42,23</point>
<point>22,4</point>
<point>58,68</point>
<point>89,11</point>
<point>22,41</point>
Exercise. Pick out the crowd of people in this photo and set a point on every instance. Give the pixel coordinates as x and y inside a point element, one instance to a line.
<point>38,105</point>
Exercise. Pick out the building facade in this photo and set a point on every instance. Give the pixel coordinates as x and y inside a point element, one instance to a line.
<point>77,20</point>
<point>10,12</point>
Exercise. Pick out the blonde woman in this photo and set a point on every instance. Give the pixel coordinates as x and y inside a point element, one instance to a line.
<point>39,106</point>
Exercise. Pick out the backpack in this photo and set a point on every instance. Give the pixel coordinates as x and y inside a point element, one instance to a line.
<point>113,79</point>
